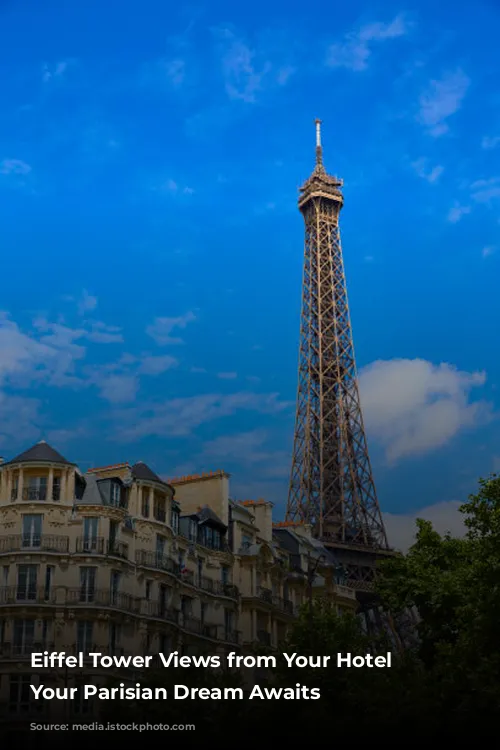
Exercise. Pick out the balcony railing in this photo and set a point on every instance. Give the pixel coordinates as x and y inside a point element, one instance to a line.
<point>32,543</point>
<point>231,636</point>
<point>218,587</point>
<point>157,560</point>
<point>24,647</point>
<point>187,576</point>
<point>266,595</point>
<point>25,594</point>
<point>117,549</point>
<point>89,596</point>
<point>159,610</point>
<point>90,545</point>
<point>285,605</point>
<point>193,625</point>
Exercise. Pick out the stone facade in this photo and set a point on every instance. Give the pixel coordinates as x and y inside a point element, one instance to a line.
<point>120,561</point>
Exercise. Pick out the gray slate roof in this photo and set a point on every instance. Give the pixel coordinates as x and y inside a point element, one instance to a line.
<point>140,470</point>
<point>40,452</point>
<point>91,494</point>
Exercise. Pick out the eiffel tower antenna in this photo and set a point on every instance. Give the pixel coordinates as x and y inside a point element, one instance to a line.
<point>331,482</point>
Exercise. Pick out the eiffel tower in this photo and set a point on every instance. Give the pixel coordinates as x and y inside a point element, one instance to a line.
<point>331,483</point>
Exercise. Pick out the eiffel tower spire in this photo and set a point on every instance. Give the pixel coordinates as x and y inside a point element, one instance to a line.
<point>331,482</point>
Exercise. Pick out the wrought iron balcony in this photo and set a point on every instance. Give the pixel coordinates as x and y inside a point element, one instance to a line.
<point>34,543</point>
<point>25,594</point>
<point>24,647</point>
<point>117,549</point>
<point>193,625</point>
<point>90,545</point>
<point>231,636</point>
<point>266,595</point>
<point>90,596</point>
<point>187,576</point>
<point>159,610</point>
<point>218,587</point>
<point>157,560</point>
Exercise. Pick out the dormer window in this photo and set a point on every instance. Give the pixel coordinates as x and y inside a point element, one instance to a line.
<point>115,494</point>
<point>193,530</point>
<point>174,521</point>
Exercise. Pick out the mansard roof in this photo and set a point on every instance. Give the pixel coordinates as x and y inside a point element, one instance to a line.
<point>140,470</point>
<point>41,452</point>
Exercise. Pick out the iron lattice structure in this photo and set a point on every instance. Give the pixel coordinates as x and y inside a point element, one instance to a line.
<point>331,484</point>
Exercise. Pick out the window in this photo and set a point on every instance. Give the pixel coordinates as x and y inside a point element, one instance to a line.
<point>32,530</point>
<point>193,530</point>
<point>114,586</point>
<point>49,573</point>
<point>224,575</point>
<point>160,547</point>
<point>26,582</point>
<point>87,584</point>
<point>145,503</point>
<point>186,606</point>
<point>159,511</point>
<point>37,489</point>
<point>228,621</point>
<point>84,631</point>
<point>203,609</point>
<point>200,568</point>
<point>208,536</point>
<point>56,489</point>
<point>114,637</point>
<point>113,533</point>
<point>147,594</point>
<point>45,633</point>
<point>246,541</point>
<point>163,600</point>
<point>20,693</point>
<point>24,636</point>
<point>5,575</point>
<point>90,529</point>
<point>175,520</point>
<point>165,644</point>
<point>115,494</point>
<point>216,540</point>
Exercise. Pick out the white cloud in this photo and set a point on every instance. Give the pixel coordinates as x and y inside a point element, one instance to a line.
<point>181,416</point>
<point>14,167</point>
<point>431,174</point>
<point>445,517</point>
<point>151,365</point>
<point>227,375</point>
<point>118,389</point>
<point>414,406</point>
<point>442,99</point>
<point>354,51</point>
<point>161,328</point>
<point>248,71</point>
<point>51,72</point>
<point>456,212</point>
<point>484,191</point>
<point>487,251</point>
<point>87,303</point>
<point>489,142</point>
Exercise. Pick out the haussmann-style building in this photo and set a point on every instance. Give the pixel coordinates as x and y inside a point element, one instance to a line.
<point>118,560</point>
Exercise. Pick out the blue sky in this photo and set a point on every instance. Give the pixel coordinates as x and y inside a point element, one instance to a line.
<point>152,247</point>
